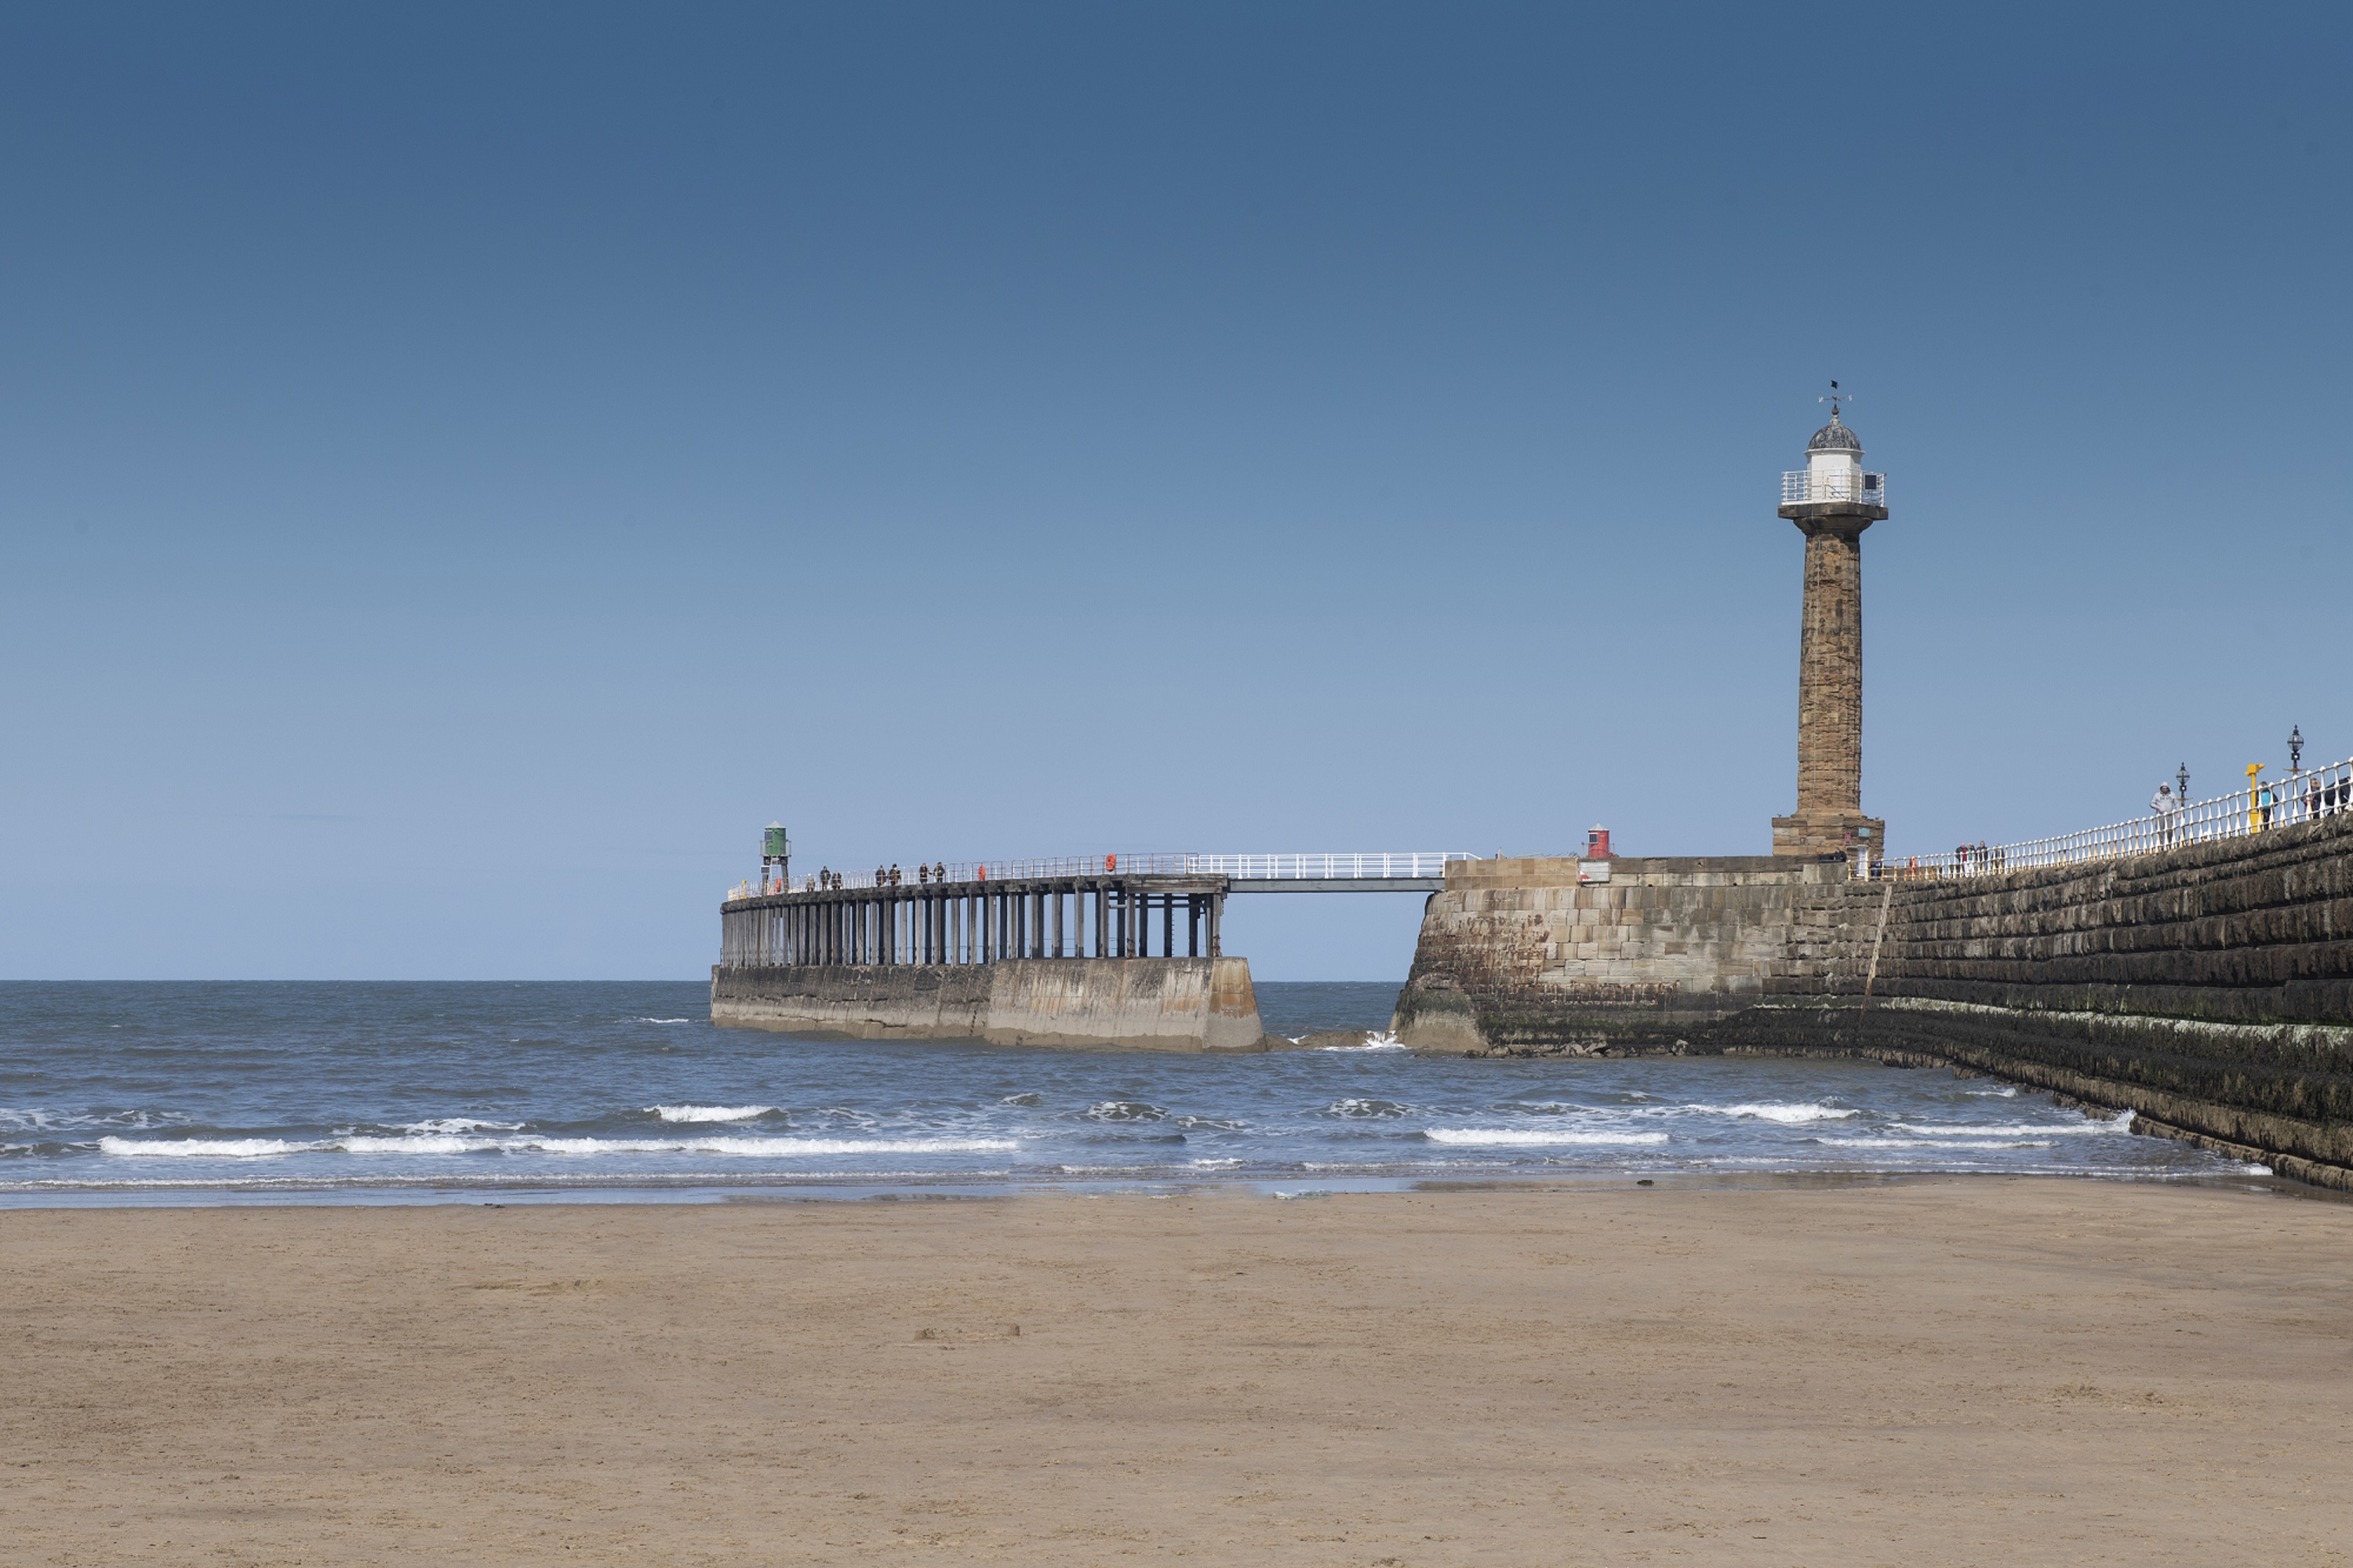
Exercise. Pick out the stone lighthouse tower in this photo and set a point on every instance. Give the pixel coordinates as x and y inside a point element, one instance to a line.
<point>1831,500</point>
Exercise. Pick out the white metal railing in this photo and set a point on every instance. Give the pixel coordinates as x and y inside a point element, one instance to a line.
<point>1802,487</point>
<point>1248,867</point>
<point>2262,807</point>
<point>1325,867</point>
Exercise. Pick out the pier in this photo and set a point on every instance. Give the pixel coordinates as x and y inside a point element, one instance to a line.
<point>1108,907</point>
<point>1119,950</point>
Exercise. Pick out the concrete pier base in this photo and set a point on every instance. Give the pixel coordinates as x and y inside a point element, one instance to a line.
<point>1133,1004</point>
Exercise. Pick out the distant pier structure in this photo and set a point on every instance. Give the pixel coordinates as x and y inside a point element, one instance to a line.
<point>1831,500</point>
<point>1097,908</point>
<point>1117,950</point>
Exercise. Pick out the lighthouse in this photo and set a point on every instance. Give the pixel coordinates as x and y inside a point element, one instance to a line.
<point>1831,500</point>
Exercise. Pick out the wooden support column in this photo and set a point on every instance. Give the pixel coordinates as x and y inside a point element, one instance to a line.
<point>1217,912</point>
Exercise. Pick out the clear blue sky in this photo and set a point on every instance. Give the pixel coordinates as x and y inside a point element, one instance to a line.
<point>464,469</point>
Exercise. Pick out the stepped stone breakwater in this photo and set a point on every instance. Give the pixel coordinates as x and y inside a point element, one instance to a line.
<point>1139,1004</point>
<point>2206,989</point>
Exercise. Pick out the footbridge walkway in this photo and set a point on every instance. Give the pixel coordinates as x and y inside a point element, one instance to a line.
<point>986,912</point>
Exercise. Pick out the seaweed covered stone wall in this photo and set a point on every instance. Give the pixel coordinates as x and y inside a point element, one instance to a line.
<point>2209,989</point>
<point>2250,929</point>
<point>1521,953</point>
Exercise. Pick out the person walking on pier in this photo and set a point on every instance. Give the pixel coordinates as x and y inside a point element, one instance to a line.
<point>2165,806</point>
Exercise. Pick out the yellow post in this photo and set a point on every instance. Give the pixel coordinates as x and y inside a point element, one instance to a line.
<point>2254,820</point>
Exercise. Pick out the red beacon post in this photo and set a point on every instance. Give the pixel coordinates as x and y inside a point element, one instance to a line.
<point>1593,866</point>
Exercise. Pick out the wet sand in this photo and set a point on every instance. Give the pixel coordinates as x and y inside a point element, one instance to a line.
<point>1984,1371</point>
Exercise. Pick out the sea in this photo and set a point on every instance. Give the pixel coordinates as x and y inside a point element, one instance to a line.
<point>242,1093</point>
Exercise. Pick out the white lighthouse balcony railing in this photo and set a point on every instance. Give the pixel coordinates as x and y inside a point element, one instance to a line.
<point>1802,487</point>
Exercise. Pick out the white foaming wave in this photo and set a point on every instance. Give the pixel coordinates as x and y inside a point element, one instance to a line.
<point>709,1113</point>
<point>1372,1043</point>
<point>665,1020</point>
<point>1359,1108</point>
<point>1788,1113</point>
<point>412,1143</point>
<point>33,1118</point>
<point>719,1145</point>
<point>447,1143</point>
<point>2091,1126</point>
<point>460,1124</point>
<point>205,1148</point>
<point>1125,1111</point>
<point>1937,1143</point>
<point>1514,1137</point>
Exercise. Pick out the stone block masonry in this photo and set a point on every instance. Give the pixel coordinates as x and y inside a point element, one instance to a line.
<point>1525,953</point>
<point>2207,989</point>
<point>1829,818</point>
<point>1145,1005</point>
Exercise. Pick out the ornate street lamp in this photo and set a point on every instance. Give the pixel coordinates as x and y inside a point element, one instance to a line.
<point>2181,782</point>
<point>2296,748</point>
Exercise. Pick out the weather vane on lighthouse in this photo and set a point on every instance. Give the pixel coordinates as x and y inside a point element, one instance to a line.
<point>1836,399</point>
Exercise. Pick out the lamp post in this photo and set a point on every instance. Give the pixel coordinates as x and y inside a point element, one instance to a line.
<point>2181,783</point>
<point>2296,749</point>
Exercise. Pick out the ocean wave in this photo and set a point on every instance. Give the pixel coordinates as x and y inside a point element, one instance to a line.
<point>665,1020</point>
<point>1516,1137</point>
<point>710,1113</point>
<point>1788,1113</point>
<point>460,1124</point>
<point>1372,1043</point>
<point>33,1118</point>
<point>1937,1143</point>
<point>2091,1126</point>
<point>449,1143</point>
<point>1362,1109</point>
<point>1125,1111</point>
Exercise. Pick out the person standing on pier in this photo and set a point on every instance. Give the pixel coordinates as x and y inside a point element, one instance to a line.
<point>2165,806</point>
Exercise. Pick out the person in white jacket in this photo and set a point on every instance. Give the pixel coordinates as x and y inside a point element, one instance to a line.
<point>2165,806</point>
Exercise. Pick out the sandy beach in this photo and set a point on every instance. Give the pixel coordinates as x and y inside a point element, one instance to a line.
<point>1970,1371</point>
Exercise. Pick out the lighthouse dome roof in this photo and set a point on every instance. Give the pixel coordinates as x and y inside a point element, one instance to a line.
<point>1834,438</point>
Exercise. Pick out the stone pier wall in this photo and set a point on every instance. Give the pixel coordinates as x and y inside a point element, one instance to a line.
<point>1146,1004</point>
<point>2210,989</point>
<point>1521,953</point>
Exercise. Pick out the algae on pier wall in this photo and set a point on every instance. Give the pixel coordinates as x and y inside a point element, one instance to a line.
<point>2206,989</point>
